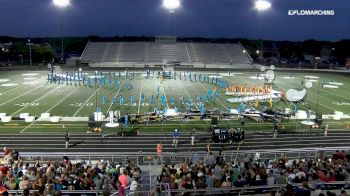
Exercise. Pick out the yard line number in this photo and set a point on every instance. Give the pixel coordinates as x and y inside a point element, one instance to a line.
<point>81,104</point>
<point>27,104</point>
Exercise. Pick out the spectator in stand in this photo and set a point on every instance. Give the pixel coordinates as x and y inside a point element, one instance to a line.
<point>280,179</point>
<point>201,184</point>
<point>25,183</point>
<point>159,152</point>
<point>218,174</point>
<point>304,190</point>
<point>66,138</point>
<point>49,190</point>
<point>176,136</point>
<point>106,191</point>
<point>270,178</point>
<point>220,158</point>
<point>123,179</point>
<point>289,191</point>
<point>211,160</point>
<point>343,193</point>
<point>193,135</point>
<point>173,185</point>
<point>187,184</point>
<point>157,192</point>
<point>121,190</point>
<point>227,183</point>
<point>135,187</point>
<point>195,157</point>
<point>240,182</point>
<point>209,179</point>
<point>6,151</point>
<point>98,182</point>
<point>330,177</point>
<point>15,155</point>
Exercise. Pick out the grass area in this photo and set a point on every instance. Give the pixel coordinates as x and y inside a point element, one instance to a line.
<point>288,126</point>
<point>29,92</point>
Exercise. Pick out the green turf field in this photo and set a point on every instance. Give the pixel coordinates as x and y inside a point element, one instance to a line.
<point>30,92</point>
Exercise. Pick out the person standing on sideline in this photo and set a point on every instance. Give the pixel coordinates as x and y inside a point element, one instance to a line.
<point>308,114</point>
<point>159,152</point>
<point>275,129</point>
<point>66,138</point>
<point>176,135</point>
<point>193,134</point>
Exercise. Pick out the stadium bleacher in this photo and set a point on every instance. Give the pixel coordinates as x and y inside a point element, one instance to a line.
<point>150,52</point>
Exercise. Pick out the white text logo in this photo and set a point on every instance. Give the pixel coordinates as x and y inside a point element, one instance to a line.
<point>311,12</point>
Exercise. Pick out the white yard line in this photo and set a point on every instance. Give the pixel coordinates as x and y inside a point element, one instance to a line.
<point>64,98</point>
<point>166,99</point>
<point>138,110</point>
<point>21,95</point>
<point>18,81</point>
<point>121,85</point>
<point>37,100</point>
<point>335,94</point>
<point>316,97</point>
<point>218,99</point>
<point>81,107</point>
<point>189,95</point>
<point>11,90</point>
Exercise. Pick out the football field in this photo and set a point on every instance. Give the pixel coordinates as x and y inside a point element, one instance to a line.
<point>30,92</point>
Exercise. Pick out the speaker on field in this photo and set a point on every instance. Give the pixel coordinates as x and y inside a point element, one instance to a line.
<point>214,121</point>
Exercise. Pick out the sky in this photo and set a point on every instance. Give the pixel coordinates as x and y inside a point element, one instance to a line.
<point>195,18</point>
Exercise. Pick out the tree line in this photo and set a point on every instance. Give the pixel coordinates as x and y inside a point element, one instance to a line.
<point>48,49</point>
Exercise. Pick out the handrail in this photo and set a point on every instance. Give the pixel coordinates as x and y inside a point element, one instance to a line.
<point>167,191</point>
<point>98,154</point>
<point>65,192</point>
<point>246,53</point>
<point>312,186</point>
<point>84,50</point>
<point>184,155</point>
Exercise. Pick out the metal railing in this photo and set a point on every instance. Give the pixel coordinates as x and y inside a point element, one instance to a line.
<point>143,158</point>
<point>251,190</point>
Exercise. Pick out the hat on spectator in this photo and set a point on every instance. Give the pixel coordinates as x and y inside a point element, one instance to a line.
<point>257,177</point>
<point>291,176</point>
<point>200,174</point>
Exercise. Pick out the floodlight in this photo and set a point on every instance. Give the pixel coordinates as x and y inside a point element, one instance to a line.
<point>61,3</point>
<point>262,5</point>
<point>244,51</point>
<point>171,4</point>
<point>257,52</point>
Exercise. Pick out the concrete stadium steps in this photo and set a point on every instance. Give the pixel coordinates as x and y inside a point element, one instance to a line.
<point>147,143</point>
<point>136,52</point>
<point>265,140</point>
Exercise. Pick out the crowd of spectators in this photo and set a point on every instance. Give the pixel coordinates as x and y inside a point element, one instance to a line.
<point>54,176</point>
<point>216,172</point>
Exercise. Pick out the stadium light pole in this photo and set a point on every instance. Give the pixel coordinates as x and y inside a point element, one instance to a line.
<point>171,6</point>
<point>96,73</point>
<point>61,4</point>
<point>30,52</point>
<point>261,6</point>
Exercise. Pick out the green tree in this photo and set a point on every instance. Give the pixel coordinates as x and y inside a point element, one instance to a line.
<point>44,53</point>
